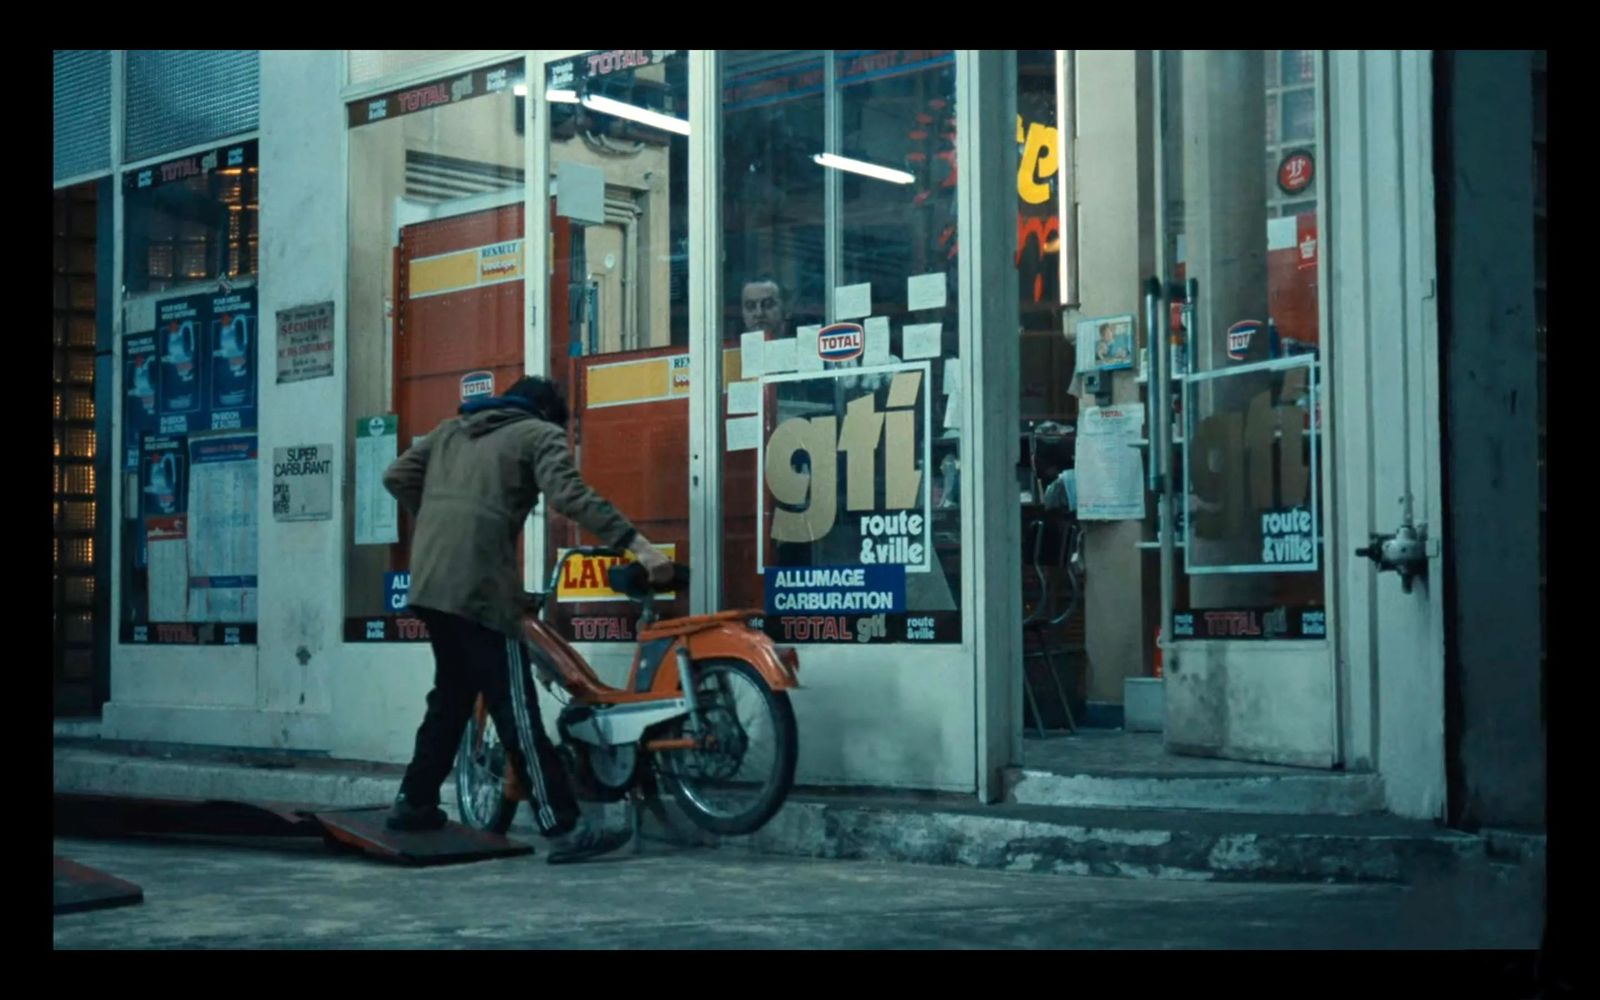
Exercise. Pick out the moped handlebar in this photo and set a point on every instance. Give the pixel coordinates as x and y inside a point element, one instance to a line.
<point>631,580</point>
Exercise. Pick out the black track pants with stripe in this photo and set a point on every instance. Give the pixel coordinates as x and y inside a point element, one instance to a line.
<point>469,658</point>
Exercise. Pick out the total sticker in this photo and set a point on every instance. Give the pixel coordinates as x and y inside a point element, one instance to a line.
<point>841,342</point>
<point>479,383</point>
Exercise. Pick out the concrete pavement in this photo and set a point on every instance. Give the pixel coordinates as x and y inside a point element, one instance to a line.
<point>297,895</point>
<point>1159,843</point>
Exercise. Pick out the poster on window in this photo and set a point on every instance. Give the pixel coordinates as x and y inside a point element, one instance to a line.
<point>164,475</point>
<point>180,325</point>
<point>190,452</point>
<point>208,362</point>
<point>232,344</point>
<point>847,523</point>
<point>141,377</point>
<point>141,418</point>
<point>222,527</point>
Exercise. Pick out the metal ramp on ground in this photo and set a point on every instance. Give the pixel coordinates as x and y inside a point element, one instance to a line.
<point>359,830</point>
<point>363,830</point>
<point>79,888</point>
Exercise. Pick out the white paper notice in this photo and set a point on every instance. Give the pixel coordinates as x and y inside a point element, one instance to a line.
<point>377,513</point>
<point>1084,351</point>
<point>743,433</point>
<point>1110,470</point>
<point>222,528</point>
<point>1282,234</point>
<point>925,291</point>
<point>751,354</point>
<point>778,356</point>
<point>807,359</point>
<point>744,397</point>
<point>852,301</point>
<point>952,410</point>
<point>921,340</point>
<point>581,193</point>
<point>952,375</point>
<point>877,350</point>
<point>167,549</point>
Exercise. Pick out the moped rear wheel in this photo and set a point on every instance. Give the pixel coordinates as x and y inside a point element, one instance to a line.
<point>742,771</point>
<point>480,777</point>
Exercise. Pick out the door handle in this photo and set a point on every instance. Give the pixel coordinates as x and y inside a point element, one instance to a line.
<point>1405,552</point>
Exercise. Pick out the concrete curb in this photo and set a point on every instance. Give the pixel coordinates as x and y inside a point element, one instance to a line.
<point>1289,795</point>
<point>114,774</point>
<point>1143,844</point>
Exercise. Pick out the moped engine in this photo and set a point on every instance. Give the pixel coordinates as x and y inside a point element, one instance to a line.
<point>600,773</point>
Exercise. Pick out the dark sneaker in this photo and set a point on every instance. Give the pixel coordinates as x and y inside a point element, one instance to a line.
<point>585,843</point>
<point>407,817</point>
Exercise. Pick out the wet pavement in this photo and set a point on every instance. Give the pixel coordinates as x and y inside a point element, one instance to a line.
<point>300,895</point>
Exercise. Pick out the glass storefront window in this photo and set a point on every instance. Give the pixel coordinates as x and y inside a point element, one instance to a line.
<point>1039,190</point>
<point>1251,428</point>
<point>1299,115</point>
<point>1297,66</point>
<point>843,448</point>
<point>191,219</point>
<point>189,456</point>
<point>436,285</point>
<point>618,133</point>
<point>1045,373</point>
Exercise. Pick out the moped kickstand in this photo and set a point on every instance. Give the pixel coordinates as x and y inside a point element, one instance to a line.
<point>639,800</point>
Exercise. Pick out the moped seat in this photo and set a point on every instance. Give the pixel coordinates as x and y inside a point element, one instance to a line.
<point>667,628</point>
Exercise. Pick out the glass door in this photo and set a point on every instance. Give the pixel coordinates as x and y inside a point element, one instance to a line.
<point>1241,141</point>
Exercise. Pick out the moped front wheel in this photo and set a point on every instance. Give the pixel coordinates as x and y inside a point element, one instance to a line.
<point>741,768</point>
<point>480,777</point>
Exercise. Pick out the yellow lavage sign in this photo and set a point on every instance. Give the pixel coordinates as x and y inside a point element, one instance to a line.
<point>583,578</point>
<point>463,270</point>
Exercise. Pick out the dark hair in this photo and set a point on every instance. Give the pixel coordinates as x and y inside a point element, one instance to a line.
<point>545,395</point>
<point>764,278</point>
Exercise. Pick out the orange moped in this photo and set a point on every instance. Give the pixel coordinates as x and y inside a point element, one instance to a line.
<point>704,715</point>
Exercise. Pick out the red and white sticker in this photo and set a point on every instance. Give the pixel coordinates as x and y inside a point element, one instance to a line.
<point>841,342</point>
<point>1296,171</point>
<point>1239,337</point>
<point>1306,241</point>
<point>477,384</point>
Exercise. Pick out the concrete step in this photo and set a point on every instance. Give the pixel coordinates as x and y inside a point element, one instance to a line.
<point>1291,793</point>
<point>1130,843</point>
<point>155,776</point>
<point>925,829</point>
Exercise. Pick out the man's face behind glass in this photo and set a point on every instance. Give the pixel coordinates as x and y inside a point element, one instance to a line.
<point>762,302</point>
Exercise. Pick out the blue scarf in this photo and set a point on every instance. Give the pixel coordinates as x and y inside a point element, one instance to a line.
<point>478,404</point>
